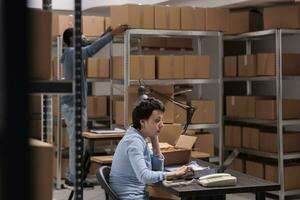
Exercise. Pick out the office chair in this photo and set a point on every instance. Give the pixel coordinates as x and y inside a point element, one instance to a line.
<point>103,179</point>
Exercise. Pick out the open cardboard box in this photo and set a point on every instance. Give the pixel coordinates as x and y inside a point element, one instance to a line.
<point>179,151</point>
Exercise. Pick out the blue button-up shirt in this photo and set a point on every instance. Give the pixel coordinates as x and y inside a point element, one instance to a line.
<point>67,60</point>
<point>134,166</point>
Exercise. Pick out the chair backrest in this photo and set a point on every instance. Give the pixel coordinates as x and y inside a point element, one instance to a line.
<point>103,179</point>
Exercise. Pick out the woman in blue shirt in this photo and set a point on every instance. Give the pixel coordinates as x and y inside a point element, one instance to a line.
<point>134,165</point>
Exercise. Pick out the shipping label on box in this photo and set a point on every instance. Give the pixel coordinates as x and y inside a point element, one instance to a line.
<point>247,65</point>
<point>192,18</point>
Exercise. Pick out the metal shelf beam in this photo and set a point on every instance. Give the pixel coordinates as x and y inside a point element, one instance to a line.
<point>263,122</point>
<point>286,156</point>
<point>171,82</point>
<point>260,34</point>
<point>51,87</point>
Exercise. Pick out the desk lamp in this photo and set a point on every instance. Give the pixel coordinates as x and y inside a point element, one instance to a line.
<point>189,109</point>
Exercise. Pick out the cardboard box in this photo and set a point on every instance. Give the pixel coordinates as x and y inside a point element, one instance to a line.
<point>243,21</point>
<point>291,17</point>
<point>156,42</point>
<point>97,106</point>
<point>240,106</point>
<point>196,67</point>
<point>291,64</point>
<point>180,114</point>
<point>266,65</point>
<point>167,17</point>
<point>60,23</point>
<point>205,143</point>
<point>233,136</point>
<point>255,169</point>
<point>237,165</point>
<point>133,98</point>
<point>230,66</point>
<point>107,22</point>
<point>268,142</point>
<point>170,67</point>
<point>291,176</point>
<point>141,67</point>
<point>205,111</point>
<point>155,192</point>
<point>181,154</point>
<point>98,68</point>
<point>266,109</point>
<point>192,18</point>
<point>217,19</point>
<point>181,43</point>
<point>41,167</point>
<point>247,65</point>
<point>170,133</point>
<point>92,25</point>
<point>136,16</point>
<point>39,38</point>
<point>250,138</point>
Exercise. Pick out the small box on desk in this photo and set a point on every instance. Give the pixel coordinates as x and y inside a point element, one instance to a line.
<point>181,153</point>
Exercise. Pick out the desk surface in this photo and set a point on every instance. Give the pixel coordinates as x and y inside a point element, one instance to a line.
<point>245,183</point>
<point>90,135</point>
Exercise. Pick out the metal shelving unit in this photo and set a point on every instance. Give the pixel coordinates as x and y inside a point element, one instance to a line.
<point>278,79</point>
<point>136,34</point>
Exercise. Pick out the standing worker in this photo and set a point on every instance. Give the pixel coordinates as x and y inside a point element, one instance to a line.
<point>67,102</point>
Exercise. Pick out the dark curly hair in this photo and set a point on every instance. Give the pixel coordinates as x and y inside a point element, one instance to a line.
<point>144,109</point>
<point>68,33</point>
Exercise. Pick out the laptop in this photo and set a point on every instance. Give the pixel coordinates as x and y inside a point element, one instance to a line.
<point>219,169</point>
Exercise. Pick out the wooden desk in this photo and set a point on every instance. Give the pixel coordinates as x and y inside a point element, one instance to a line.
<point>92,137</point>
<point>245,184</point>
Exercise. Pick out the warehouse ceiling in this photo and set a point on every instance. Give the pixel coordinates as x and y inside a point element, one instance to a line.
<point>102,7</point>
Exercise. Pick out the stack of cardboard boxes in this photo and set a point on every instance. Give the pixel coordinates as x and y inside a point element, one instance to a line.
<point>262,64</point>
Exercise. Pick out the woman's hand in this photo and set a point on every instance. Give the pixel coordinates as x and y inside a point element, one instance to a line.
<point>120,29</point>
<point>179,172</point>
